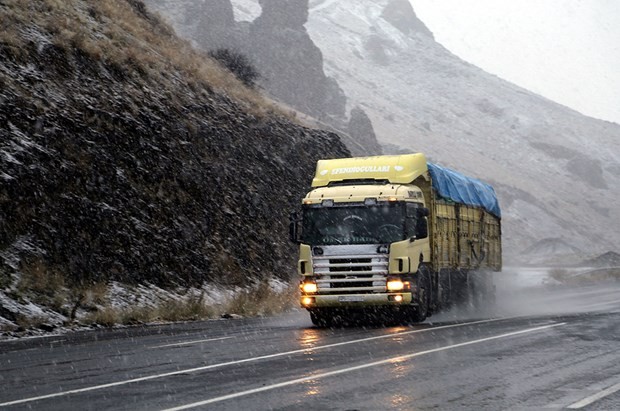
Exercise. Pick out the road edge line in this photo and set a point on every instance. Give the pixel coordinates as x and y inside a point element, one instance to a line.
<point>594,397</point>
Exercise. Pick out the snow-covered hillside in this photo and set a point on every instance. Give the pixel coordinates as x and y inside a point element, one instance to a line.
<point>556,170</point>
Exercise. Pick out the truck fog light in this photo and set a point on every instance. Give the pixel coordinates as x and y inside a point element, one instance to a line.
<point>309,288</point>
<point>305,301</point>
<point>395,285</point>
<point>396,298</point>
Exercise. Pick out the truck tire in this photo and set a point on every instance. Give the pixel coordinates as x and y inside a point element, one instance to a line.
<point>321,318</point>
<point>422,310</point>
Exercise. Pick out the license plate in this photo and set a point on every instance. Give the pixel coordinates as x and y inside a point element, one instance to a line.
<point>351,299</point>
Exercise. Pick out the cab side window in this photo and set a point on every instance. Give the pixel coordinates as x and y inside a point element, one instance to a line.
<point>411,220</point>
<point>417,224</point>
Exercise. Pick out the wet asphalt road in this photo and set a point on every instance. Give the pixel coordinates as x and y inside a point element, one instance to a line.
<point>551,348</point>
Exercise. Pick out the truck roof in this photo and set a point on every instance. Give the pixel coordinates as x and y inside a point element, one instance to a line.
<point>404,169</point>
<point>397,169</point>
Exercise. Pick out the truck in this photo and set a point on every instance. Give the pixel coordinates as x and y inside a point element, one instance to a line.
<point>397,237</point>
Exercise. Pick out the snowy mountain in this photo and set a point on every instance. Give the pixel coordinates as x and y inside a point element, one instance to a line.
<point>556,171</point>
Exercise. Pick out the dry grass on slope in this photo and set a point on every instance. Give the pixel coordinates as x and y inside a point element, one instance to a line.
<point>119,33</point>
<point>258,300</point>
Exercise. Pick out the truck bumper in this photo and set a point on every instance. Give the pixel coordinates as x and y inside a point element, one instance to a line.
<point>355,300</point>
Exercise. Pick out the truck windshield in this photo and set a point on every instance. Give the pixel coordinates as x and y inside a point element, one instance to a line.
<point>376,224</point>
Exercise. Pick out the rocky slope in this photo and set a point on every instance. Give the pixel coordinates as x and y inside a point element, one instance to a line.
<point>609,259</point>
<point>125,155</point>
<point>551,251</point>
<point>289,63</point>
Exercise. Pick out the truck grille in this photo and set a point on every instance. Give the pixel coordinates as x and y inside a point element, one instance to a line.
<point>350,264</point>
<point>356,272</point>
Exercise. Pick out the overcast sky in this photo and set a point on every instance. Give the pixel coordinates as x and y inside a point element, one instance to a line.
<point>565,50</point>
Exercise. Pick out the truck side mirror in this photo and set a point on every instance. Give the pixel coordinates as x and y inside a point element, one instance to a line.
<point>293,232</point>
<point>421,228</point>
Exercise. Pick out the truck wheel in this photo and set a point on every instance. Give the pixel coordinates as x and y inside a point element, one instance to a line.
<point>321,318</point>
<point>424,294</point>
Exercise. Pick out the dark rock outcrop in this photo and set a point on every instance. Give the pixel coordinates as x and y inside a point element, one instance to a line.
<point>209,23</point>
<point>608,259</point>
<point>216,28</point>
<point>112,170</point>
<point>291,65</point>
<point>376,49</point>
<point>401,15</point>
<point>360,129</point>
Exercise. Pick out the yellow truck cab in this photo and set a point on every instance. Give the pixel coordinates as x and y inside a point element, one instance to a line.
<point>377,237</point>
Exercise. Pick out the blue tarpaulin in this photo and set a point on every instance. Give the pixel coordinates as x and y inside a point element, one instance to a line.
<point>454,186</point>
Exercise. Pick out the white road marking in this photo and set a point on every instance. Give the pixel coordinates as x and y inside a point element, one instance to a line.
<point>595,397</point>
<point>356,368</point>
<point>208,367</point>
<point>189,342</point>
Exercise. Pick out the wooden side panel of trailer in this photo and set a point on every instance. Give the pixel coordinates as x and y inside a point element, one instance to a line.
<point>464,237</point>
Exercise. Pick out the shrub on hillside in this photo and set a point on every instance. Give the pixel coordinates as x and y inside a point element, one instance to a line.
<point>238,64</point>
<point>560,275</point>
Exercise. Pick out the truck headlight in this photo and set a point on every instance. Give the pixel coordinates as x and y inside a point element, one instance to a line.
<point>306,301</point>
<point>309,288</point>
<point>395,285</point>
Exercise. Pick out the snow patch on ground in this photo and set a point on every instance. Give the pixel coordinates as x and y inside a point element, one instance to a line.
<point>20,317</point>
<point>23,244</point>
